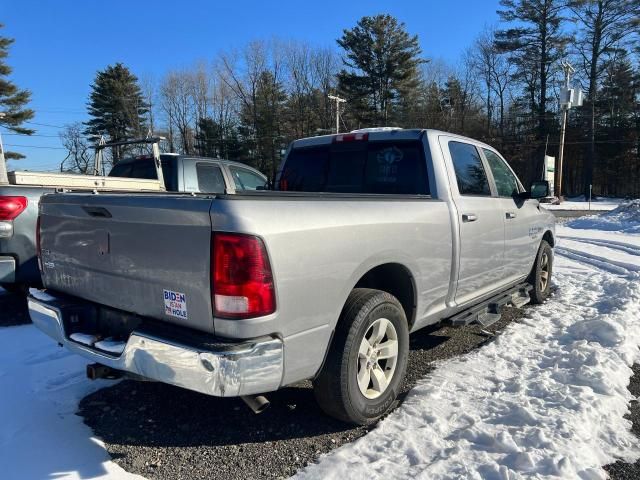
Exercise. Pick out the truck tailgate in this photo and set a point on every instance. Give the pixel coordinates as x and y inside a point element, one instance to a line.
<point>145,254</point>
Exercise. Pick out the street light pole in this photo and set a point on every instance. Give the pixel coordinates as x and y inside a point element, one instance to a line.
<point>4,178</point>
<point>338,101</point>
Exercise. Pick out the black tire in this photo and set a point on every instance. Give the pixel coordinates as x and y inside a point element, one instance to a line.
<point>16,288</point>
<point>336,387</point>
<point>541,288</point>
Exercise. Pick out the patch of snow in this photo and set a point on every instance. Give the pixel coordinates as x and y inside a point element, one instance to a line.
<point>41,437</point>
<point>625,218</point>
<point>579,203</point>
<point>84,338</point>
<point>111,345</point>
<point>41,295</point>
<point>546,399</point>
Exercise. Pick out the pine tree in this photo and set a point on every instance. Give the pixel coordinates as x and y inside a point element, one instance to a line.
<point>381,61</point>
<point>603,27</point>
<point>12,99</point>
<point>117,107</point>
<point>535,43</point>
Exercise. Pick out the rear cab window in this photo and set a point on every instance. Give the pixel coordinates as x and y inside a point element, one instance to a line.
<point>391,167</point>
<point>144,168</point>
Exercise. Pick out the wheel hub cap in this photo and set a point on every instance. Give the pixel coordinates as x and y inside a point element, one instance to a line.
<point>377,358</point>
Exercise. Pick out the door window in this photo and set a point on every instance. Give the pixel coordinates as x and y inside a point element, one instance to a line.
<point>246,179</point>
<point>210,179</point>
<point>470,173</point>
<point>506,181</point>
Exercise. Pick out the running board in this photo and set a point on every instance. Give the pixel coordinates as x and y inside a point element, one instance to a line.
<point>490,311</point>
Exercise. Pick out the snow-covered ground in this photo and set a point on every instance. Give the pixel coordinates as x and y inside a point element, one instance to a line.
<point>579,203</point>
<point>40,435</point>
<point>546,398</point>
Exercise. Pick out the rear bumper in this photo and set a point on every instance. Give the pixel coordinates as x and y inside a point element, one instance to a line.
<point>220,369</point>
<point>7,270</point>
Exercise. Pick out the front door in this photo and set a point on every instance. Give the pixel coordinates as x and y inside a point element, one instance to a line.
<point>480,220</point>
<point>521,236</point>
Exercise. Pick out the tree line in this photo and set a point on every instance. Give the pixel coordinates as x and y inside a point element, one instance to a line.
<point>247,104</point>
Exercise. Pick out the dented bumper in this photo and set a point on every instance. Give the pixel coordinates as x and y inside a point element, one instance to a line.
<point>221,369</point>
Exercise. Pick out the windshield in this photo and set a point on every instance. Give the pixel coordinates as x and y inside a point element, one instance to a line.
<point>387,167</point>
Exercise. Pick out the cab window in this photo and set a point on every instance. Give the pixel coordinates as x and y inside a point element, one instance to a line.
<point>470,174</point>
<point>210,179</point>
<point>506,181</point>
<point>246,179</point>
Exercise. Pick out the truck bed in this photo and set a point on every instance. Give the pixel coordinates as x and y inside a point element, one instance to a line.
<point>129,251</point>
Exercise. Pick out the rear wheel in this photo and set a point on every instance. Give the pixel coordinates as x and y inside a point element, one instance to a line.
<point>367,359</point>
<point>540,277</point>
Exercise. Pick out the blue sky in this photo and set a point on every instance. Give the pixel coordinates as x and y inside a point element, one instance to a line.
<point>61,44</point>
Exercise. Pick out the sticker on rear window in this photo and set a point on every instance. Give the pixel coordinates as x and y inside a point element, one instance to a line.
<point>175,304</point>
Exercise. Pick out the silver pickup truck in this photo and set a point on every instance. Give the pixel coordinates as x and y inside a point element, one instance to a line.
<point>370,236</point>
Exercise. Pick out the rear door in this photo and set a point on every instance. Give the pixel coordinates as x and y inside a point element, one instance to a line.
<point>480,219</point>
<point>521,242</point>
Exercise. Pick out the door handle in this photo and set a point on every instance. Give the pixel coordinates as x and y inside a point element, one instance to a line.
<point>510,215</point>
<point>469,217</point>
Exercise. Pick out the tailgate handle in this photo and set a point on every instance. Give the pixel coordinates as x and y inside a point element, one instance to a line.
<point>97,212</point>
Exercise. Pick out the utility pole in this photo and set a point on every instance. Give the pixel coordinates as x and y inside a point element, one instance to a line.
<point>4,178</point>
<point>338,101</point>
<point>565,105</point>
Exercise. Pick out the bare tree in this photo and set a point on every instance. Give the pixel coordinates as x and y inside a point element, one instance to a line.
<point>79,157</point>
<point>177,101</point>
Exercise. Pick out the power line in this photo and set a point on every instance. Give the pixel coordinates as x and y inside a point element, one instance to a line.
<point>44,124</point>
<point>30,135</point>
<point>34,146</point>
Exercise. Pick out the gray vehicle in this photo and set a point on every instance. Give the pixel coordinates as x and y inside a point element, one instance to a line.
<point>372,235</point>
<point>182,173</point>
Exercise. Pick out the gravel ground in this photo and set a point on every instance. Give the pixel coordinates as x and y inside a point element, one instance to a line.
<point>621,470</point>
<point>160,431</point>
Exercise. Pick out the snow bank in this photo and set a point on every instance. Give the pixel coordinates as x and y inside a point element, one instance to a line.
<point>580,203</point>
<point>40,435</point>
<point>625,218</point>
<point>547,398</point>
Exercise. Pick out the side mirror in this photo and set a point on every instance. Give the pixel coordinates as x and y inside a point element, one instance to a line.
<point>539,189</point>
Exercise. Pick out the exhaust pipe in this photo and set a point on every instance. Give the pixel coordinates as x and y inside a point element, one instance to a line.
<point>257,403</point>
<point>97,370</point>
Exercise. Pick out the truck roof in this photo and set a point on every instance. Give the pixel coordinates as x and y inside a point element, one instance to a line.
<point>380,133</point>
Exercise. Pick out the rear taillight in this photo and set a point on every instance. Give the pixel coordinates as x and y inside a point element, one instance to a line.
<point>11,207</point>
<point>241,275</point>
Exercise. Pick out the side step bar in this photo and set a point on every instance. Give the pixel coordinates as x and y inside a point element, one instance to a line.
<point>490,311</point>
